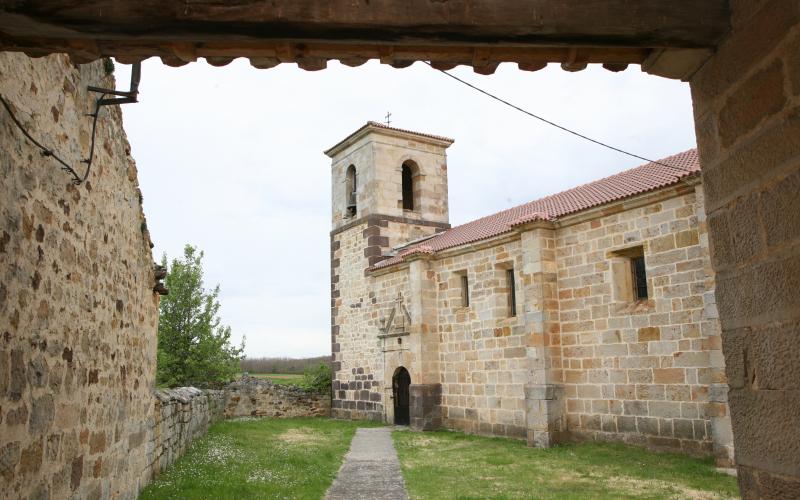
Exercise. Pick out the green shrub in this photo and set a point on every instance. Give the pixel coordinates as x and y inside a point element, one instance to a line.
<point>194,347</point>
<point>108,65</point>
<point>317,378</point>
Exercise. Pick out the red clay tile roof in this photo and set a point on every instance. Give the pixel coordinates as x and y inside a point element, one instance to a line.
<point>387,127</point>
<point>647,177</point>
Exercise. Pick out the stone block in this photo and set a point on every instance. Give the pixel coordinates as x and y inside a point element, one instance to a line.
<point>626,424</point>
<point>758,97</point>
<point>669,376</point>
<point>664,409</point>
<point>636,408</point>
<point>30,460</point>
<point>691,359</point>
<point>684,429</point>
<point>647,426</point>
<point>759,159</point>
<point>647,334</point>
<point>9,458</point>
<point>686,238</point>
<point>777,203</point>
<point>42,414</point>
<point>661,244</point>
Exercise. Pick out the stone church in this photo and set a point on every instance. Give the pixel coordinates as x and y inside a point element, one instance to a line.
<point>585,315</point>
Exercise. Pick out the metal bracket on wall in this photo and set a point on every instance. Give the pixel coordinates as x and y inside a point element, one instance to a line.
<point>125,97</point>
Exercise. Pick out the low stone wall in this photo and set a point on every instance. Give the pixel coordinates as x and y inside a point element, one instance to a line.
<point>180,416</point>
<point>250,396</point>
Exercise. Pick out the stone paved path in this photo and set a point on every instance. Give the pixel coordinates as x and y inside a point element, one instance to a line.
<point>370,470</point>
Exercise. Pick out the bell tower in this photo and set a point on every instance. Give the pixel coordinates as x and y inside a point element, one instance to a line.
<point>389,188</point>
<point>384,171</point>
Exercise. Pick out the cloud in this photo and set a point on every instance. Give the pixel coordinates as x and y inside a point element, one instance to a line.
<point>230,159</point>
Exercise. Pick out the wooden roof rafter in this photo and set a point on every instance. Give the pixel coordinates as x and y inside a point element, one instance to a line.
<point>667,38</point>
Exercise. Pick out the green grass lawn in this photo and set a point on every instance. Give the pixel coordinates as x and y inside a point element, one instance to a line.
<point>258,458</point>
<point>457,466</point>
<point>279,378</point>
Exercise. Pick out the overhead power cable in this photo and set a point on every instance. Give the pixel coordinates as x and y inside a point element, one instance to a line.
<point>556,125</point>
<point>76,179</point>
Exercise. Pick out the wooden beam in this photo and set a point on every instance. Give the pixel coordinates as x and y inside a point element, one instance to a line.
<point>478,33</point>
<point>631,23</point>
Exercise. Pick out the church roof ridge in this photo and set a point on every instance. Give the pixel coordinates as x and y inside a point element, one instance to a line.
<point>407,131</point>
<point>373,124</point>
<point>647,177</point>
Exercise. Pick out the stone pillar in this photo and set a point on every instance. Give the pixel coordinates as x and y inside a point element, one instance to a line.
<point>426,388</point>
<point>544,391</point>
<point>747,114</point>
<point>426,406</point>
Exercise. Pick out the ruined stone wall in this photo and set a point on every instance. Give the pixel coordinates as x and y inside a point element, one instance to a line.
<point>179,417</point>
<point>77,312</point>
<point>253,397</point>
<point>747,115</point>
<point>646,372</point>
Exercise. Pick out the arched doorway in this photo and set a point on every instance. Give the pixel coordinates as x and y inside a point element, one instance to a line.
<point>400,382</point>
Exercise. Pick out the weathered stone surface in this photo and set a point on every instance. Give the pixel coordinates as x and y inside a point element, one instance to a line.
<point>65,252</point>
<point>18,381</point>
<point>9,458</point>
<point>250,396</point>
<point>76,473</point>
<point>31,459</point>
<point>756,99</point>
<point>751,160</point>
<point>42,412</point>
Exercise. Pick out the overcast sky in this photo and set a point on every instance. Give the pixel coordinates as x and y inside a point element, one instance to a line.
<point>230,160</point>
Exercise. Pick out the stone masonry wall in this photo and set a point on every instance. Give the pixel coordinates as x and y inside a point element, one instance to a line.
<point>482,350</point>
<point>77,312</point>
<point>180,416</point>
<point>649,372</point>
<point>358,386</point>
<point>578,361</point>
<point>253,397</point>
<point>184,414</point>
<point>78,317</point>
<point>747,116</point>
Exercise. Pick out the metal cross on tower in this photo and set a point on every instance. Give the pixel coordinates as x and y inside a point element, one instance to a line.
<point>388,118</point>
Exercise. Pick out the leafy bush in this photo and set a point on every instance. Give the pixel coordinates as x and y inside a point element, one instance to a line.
<point>317,379</point>
<point>194,348</point>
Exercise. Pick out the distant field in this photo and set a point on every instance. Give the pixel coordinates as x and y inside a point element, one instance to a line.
<point>279,378</point>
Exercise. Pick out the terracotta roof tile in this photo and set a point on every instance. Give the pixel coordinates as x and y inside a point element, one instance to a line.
<point>641,179</point>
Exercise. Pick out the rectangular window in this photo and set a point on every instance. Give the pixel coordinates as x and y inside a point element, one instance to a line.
<point>629,274</point>
<point>639,278</point>
<point>512,293</point>
<point>464,291</point>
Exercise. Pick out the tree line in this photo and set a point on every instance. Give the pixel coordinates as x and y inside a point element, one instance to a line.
<point>282,365</point>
